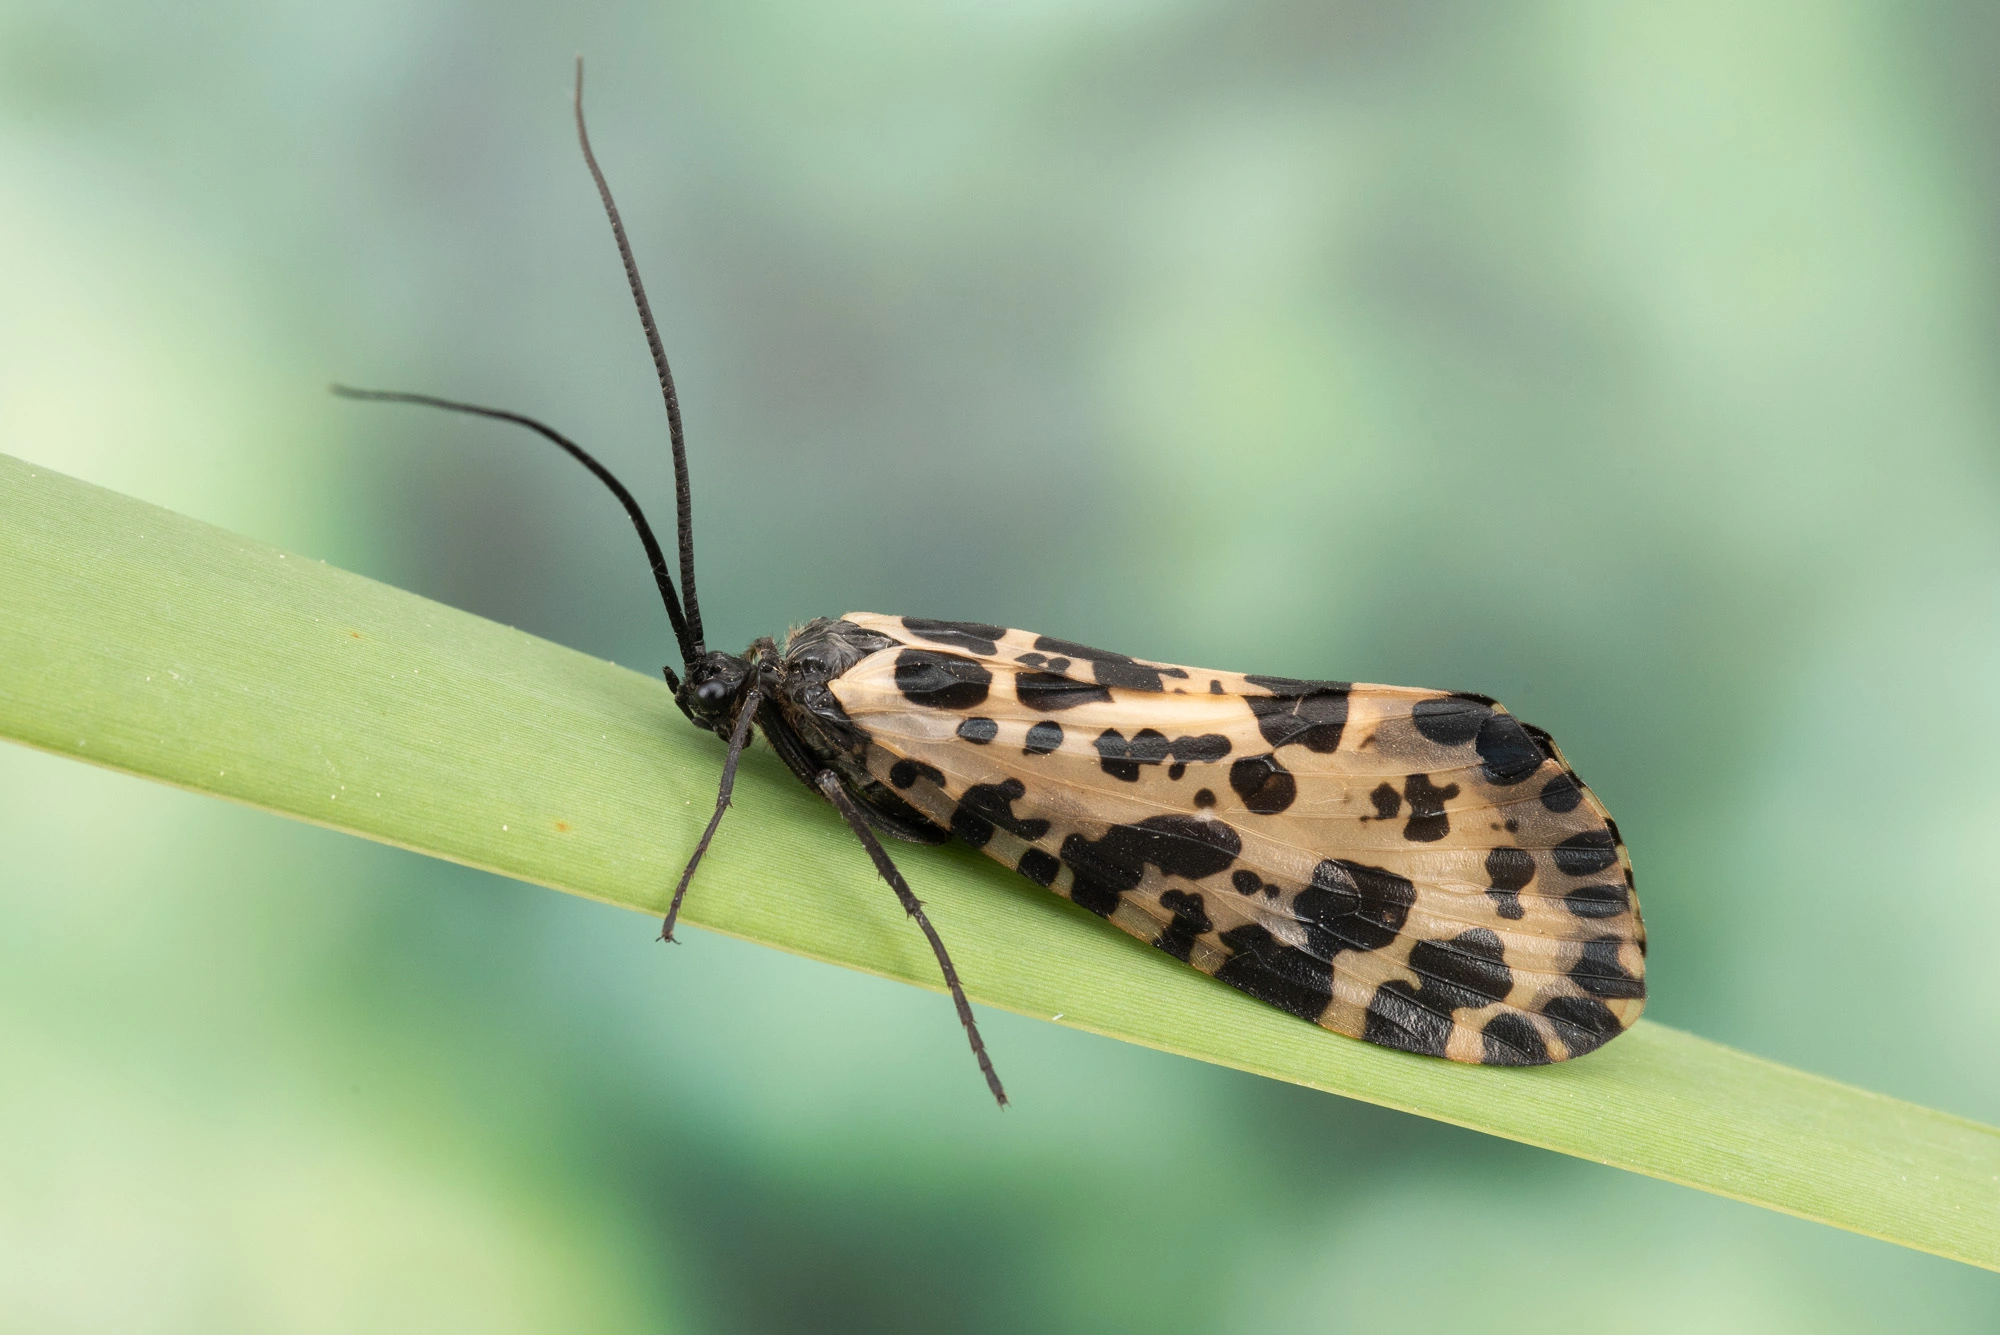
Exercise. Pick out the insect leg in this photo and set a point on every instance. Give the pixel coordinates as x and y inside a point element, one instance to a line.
<point>738,739</point>
<point>829,783</point>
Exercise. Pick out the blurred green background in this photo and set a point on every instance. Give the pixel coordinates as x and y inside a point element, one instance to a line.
<point>1633,364</point>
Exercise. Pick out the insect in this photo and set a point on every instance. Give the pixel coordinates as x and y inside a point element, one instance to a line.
<point>1415,868</point>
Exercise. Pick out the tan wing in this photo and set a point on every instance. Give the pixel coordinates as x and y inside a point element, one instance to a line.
<point>1414,868</point>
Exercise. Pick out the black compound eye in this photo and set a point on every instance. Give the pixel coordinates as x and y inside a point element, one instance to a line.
<point>711,693</point>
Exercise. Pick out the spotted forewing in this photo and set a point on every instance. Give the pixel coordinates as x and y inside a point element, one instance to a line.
<point>1416,868</point>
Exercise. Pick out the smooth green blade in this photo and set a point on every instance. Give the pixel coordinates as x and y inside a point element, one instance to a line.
<point>141,640</point>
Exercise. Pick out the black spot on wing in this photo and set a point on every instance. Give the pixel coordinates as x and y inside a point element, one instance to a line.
<point>1561,794</point>
<point>1586,854</point>
<point>1347,907</point>
<point>1265,786</point>
<point>906,772</point>
<point>1190,921</point>
<point>1396,1019</point>
<point>941,681</point>
<point>1043,738</point>
<point>1112,669</point>
<point>1183,846</point>
<point>987,805</point>
<point>1039,867</point>
<point>1450,720</point>
<point>1247,882</point>
<point>1508,749</point>
<point>1507,753</point>
<point>1598,901</point>
<point>1428,822</point>
<point>1204,798</point>
<point>1208,748</point>
<point>1599,972</point>
<point>1584,1023</point>
<point>1049,692</point>
<point>1511,1040</point>
<point>1121,758</point>
<point>1275,973</point>
<point>978,731</point>
<point>1351,906</point>
<point>1313,717</point>
<point>1387,801</point>
<point>1469,970</point>
<point>1089,892</point>
<point>976,636</point>
<point>1510,870</point>
<point>1293,688</point>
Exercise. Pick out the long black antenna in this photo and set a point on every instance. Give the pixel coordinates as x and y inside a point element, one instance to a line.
<point>683,500</point>
<point>688,642</point>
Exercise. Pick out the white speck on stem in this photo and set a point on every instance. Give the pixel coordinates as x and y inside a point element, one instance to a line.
<point>1057,1016</point>
<point>503,827</point>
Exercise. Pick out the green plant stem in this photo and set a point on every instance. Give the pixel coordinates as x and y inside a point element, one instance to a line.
<point>135,638</point>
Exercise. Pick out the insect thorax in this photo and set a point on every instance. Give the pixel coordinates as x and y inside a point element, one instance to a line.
<point>799,715</point>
